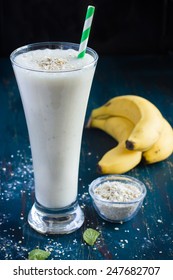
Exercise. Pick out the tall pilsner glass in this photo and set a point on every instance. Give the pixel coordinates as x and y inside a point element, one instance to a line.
<point>55,104</point>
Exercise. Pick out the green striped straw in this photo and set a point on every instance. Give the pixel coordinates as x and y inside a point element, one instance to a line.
<point>86,31</point>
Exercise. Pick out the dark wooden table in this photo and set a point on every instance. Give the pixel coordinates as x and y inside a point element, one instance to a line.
<point>150,234</point>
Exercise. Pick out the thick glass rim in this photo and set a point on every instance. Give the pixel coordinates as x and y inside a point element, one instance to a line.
<point>44,45</point>
<point>100,180</point>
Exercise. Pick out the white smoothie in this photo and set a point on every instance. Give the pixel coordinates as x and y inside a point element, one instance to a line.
<point>54,87</point>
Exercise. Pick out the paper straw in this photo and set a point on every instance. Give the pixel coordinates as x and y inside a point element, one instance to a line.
<point>86,31</point>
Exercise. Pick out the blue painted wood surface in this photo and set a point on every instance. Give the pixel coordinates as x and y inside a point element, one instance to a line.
<point>150,234</point>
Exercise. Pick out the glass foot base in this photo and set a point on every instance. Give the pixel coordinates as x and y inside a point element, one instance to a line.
<point>61,221</point>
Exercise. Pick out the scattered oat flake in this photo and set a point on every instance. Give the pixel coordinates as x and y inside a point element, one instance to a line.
<point>116,228</point>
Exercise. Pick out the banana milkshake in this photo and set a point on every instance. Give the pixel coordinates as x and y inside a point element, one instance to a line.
<point>54,86</point>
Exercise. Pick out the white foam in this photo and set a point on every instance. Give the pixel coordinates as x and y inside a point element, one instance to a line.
<point>53,60</point>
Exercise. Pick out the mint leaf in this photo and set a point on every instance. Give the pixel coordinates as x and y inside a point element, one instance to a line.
<point>38,254</point>
<point>90,236</point>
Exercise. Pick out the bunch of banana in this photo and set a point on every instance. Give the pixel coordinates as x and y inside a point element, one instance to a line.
<point>139,128</point>
<point>119,159</point>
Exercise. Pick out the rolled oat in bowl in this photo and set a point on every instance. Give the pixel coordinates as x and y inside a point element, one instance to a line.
<point>117,198</point>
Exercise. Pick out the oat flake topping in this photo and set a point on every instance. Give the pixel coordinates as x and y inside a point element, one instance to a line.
<point>49,63</point>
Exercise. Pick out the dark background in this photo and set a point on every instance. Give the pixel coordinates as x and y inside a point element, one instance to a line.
<point>119,26</point>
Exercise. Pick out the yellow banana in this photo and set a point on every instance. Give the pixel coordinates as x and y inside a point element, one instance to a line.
<point>163,148</point>
<point>117,127</point>
<point>142,113</point>
<point>118,160</point>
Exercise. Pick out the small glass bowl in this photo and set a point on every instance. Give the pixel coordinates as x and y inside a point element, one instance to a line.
<point>117,212</point>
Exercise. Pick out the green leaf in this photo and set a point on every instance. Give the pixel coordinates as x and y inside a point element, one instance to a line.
<point>90,236</point>
<point>38,254</point>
